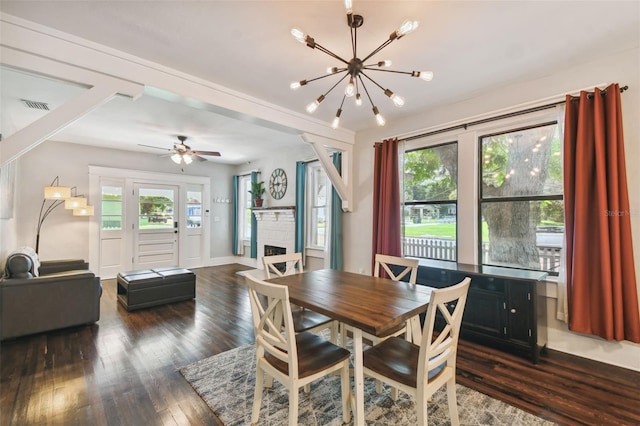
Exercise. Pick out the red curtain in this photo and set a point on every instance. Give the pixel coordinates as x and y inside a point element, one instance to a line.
<point>386,199</point>
<point>601,278</point>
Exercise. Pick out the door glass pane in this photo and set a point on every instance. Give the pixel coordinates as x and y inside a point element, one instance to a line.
<point>194,209</point>
<point>155,208</point>
<point>111,208</point>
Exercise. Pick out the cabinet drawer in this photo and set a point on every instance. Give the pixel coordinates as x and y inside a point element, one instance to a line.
<point>492,284</point>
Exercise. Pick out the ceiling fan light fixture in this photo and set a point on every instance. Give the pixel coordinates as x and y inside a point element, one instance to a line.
<point>356,68</point>
<point>177,158</point>
<point>188,159</point>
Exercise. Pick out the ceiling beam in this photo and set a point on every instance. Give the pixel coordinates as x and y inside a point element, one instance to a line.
<point>342,182</point>
<point>39,40</point>
<point>40,130</point>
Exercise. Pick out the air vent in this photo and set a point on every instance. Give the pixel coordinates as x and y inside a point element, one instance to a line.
<point>36,105</point>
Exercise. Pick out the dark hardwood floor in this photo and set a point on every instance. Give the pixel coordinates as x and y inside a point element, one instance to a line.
<point>124,369</point>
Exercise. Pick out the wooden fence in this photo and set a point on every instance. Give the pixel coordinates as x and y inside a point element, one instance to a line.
<point>445,249</point>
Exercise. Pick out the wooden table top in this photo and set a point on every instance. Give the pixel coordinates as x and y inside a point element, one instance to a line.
<point>373,305</point>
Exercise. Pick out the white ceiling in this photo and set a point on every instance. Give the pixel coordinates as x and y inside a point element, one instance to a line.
<point>471,46</point>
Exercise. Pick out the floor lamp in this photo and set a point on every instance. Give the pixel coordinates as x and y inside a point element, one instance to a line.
<point>56,195</point>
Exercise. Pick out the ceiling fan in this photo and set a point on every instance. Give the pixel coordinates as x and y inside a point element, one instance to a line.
<point>182,153</point>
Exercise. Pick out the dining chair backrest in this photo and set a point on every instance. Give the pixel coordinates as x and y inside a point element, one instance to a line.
<point>385,262</point>
<point>291,263</point>
<point>442,350</point>
<point>273,322</point>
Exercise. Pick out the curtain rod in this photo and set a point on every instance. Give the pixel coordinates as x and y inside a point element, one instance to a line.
<point>502,116</point>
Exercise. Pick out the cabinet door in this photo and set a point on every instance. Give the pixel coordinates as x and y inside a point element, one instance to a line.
<point>484,312</point>
<point>520,312</point>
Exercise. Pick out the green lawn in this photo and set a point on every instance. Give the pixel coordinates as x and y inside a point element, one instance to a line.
<point>441,230</point>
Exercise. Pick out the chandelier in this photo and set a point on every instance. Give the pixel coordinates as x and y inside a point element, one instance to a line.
<point>355,68</point>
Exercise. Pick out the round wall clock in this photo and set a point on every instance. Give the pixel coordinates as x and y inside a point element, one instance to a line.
<point>278,184</point>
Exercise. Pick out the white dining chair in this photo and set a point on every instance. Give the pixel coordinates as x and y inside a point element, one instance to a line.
<point>421,370</point>
<point>385,263</point>
<point>303,319</point>
<point>295,360</point>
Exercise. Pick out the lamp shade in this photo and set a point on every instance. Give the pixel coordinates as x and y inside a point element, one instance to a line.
<point>75,203</point>
<point>57,192</point>
<point>83,211</point>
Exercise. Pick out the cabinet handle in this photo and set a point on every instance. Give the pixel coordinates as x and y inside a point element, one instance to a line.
<point>513,311</point>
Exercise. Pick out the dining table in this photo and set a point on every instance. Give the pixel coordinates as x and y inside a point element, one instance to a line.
<point>368,304</point>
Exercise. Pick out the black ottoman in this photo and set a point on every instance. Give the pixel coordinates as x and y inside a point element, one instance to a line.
<point>152,287</point>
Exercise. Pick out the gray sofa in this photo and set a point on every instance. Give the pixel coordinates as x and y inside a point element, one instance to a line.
<point>59,294</point>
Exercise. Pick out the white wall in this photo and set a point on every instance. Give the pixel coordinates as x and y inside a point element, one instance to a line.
<point>622,68</point>
<point>67,236</point>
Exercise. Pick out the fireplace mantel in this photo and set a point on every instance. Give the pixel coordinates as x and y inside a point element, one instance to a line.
<point>275,214</point>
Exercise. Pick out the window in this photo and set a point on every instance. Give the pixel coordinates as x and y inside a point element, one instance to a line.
<point>521,198</point>
<point>244,208</point>
<point>194,209</point>
<point>430,202</point>
<point>155,208</point>
<point>318,194</point>
<point>111,208</point>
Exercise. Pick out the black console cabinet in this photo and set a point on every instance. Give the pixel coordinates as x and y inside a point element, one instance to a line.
<point>502,305</point>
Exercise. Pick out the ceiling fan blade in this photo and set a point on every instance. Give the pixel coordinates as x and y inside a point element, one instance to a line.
<point>211,153</point>
<point>156,147</point>
<point>197,157</point>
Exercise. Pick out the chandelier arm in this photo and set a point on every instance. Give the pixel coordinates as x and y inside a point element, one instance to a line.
<point>372,80</point>
<point>327,75</point>
<point>378,49</point>
<point>365,90</point>
<point>338,82</point>
<point>370,68</point>
<point>330,53</point>
<point>343,98</point>
<point>354,41</point>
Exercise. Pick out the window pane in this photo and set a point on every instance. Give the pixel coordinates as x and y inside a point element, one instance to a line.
<point>430,231</point>
<point>318,227</point>
<point>523,234</point>
<point>430,174</point>
<point>522,163</point>
<point>155,208</point>
<point>194,209</point>
<point>111,208</point>
<point>429,210</point>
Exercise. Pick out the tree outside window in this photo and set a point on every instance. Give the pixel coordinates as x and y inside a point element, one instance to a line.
<point>521,201</point>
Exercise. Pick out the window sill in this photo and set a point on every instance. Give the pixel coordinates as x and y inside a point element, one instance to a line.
<point>315,252</point>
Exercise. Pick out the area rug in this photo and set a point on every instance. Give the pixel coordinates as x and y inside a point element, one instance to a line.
<point>226,383</point>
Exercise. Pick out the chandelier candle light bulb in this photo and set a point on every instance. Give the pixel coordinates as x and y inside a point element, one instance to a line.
<point>336,121</point>
<point>397,100</point>
<point>313,106</point>
<point>379,118</point>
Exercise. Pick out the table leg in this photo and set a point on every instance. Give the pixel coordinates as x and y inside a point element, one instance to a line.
<point>358,376</point>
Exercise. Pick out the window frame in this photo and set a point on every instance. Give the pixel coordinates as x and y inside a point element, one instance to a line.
<point>245,210</point>
<point>404,203</point>
<point>508,199</point>
<point>310,206</point>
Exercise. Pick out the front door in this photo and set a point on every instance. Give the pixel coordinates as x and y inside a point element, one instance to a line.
<point>156,228</point>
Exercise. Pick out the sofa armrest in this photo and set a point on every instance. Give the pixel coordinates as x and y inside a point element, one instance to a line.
<point>54,266</point>
<point>34,305</point>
